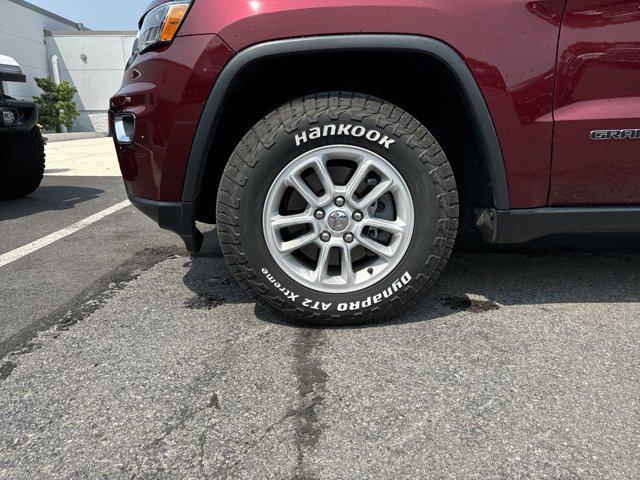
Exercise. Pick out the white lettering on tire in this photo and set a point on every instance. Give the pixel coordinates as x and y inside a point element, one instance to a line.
<point>349,130</point>
<point>396,285</point>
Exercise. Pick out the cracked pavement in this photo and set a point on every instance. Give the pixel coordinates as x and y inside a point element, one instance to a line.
<point>524,364</point>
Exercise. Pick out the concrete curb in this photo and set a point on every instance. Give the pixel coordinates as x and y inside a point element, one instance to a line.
<point>63,137</point>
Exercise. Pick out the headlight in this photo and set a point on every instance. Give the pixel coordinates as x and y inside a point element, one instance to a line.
<point>160,25</point>
<point>9,117</point>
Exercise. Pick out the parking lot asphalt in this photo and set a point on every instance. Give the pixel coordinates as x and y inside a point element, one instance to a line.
<point>124,357</point>
<point>40,288</point>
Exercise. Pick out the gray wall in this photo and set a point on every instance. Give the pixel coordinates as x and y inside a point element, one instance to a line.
<point>22,37</point>
<point>98,77</point>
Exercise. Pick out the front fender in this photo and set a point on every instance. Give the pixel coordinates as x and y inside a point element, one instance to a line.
<point>205,136</point>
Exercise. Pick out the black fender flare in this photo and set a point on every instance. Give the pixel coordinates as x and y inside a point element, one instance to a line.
<point>204,138</point>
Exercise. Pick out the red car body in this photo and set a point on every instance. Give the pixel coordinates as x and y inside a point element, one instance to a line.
<point>549,73</point>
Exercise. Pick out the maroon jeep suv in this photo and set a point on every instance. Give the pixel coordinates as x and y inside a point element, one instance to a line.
<point>340,145</point>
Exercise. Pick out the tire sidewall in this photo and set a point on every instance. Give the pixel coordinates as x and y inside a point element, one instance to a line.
<point>403,278</point>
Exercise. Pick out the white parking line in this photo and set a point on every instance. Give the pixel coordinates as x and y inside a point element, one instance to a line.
<point>20,252</point>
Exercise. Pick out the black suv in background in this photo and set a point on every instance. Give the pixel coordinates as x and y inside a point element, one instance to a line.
<point>21,145</point>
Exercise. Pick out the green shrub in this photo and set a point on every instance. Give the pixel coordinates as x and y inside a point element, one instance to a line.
<point>56,106</point>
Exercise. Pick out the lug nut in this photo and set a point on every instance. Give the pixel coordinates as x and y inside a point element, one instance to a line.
<point>325,236</point>
<point>319,214</point>
<point>358,216</point>
<point>348,237</point>
<point>339,201</point>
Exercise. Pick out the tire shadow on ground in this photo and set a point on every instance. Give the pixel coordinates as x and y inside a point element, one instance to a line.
<point>603,268</point>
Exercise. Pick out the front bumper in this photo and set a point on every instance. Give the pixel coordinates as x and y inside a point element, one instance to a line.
<point>162,99</point>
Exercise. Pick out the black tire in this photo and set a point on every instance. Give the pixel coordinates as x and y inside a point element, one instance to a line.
<point>270,145</point>
<point>21,163</point>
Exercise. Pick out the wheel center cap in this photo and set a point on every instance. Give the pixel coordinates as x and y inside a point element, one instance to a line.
<point>338,221</point>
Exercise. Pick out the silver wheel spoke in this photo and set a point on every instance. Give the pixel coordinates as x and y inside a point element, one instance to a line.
<point>371,197</point>
<point>283,221</point>
<point>325,178</point>
<point>292,245</point>
<point>381,250</point>
<point>390,226</point>
<point>358,177</point>
<point>303,189</point>
<point>347,273</point>
<point>322,267</point>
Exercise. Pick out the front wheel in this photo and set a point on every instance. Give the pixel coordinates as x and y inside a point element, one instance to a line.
<point>337,208</point>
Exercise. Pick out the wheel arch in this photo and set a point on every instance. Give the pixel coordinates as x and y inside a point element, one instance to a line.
<point>206,137</point>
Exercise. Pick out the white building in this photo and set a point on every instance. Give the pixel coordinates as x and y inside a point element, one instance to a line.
<point>47,45</point>
<point>93,62</point>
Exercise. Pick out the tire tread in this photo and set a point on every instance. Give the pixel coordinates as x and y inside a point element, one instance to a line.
<point>345,106</point>
<point>22,163</point>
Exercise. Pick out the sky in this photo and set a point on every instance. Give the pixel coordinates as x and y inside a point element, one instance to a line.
<point>98,14</point>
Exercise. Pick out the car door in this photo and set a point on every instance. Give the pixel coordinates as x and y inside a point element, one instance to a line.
<point>596,149</point>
